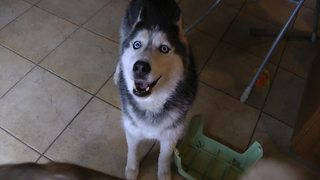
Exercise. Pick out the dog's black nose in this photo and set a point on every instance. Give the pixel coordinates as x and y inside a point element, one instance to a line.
<point>141,68</point>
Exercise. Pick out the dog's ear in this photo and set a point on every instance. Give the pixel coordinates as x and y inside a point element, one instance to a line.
<point>142,15</point>
<point>176,16</point>
<point>182,34</point>
<point>177,20</point>
<point>137,19</point>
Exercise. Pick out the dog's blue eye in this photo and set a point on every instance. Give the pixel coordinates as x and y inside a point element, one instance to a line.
<point>164,49</point>
<point>137,45</point>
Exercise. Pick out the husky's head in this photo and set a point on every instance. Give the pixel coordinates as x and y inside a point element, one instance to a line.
<point>154,51</point>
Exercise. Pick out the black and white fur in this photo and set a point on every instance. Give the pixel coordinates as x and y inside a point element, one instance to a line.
<point>156,78</point>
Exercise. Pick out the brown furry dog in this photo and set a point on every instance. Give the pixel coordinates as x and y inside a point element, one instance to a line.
<point>272,169</point>
<point>50,171</point>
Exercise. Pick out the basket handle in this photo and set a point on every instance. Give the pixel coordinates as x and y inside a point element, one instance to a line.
<point>254,153</point>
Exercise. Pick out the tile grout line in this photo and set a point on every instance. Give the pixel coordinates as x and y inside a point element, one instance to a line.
<point>237,98</point>
<point>65,19</point>
<point>41,60</point>
<point>265,20</point>
<point>22,78</point>
<point>82,24</point>
<point>78,27</point>
<point>67,37</point>
<point>228,27</point>
<point>221,41</point>
<point>102,86</point>
<point>252,106</point>
<point>255,55</point>
<point>214,50</point>
<point>86,91</point>
<point>144,158</point>
<point>259,57</point>
<point>36,65</point>
<point>20,140</point>
<point>31,2</point>
<point>16,53</point>
<point>252,15</point>
<point>279,120</point>
<point>49,12</point>
<point>224,4</point>
<point>97,12</point>
<point>65,80</point>
<point>72,33</point>
<point>13,86</point>
<point>254,128</point>
<point>272,83</point>
<point>248,52</point>
<point>293,73</point>
<point>73,119</point>
<point>207,59</point>
<point>92,95</point>
<point>56,75</point>
<point>268,93</point>
<point>22,13</point>
<point>281,23</point>
<point>47,70</point>
<point>277,68</point>
<point>108,103</point>
<point>227,94</point>
<point>222,36</point>
<point>63,130</point>
<point>259,117</point>
<point>101,35</point>
<point>41,156</point>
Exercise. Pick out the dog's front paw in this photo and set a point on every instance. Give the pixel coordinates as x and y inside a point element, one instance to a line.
<point>164,175</point>
<point>132,173</point>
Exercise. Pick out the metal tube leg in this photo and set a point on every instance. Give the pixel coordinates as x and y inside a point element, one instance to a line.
<point>249,88</point>
<point>315,22</point>
<point>197,21</point>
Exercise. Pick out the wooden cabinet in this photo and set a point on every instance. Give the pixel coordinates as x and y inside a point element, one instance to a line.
<point>306,137</point>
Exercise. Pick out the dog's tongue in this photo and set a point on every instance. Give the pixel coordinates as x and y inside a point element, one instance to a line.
<point>141,84</point>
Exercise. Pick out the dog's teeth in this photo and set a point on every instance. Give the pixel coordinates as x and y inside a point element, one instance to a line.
<point>134,87</point>
<point>148,88</point>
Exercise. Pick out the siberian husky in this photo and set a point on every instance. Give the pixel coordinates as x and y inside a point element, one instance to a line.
<point>156,78</point>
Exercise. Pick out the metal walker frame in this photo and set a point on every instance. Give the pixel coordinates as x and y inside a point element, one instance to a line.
<point>278,38</point>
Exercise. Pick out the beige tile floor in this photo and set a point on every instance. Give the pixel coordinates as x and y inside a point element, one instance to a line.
<point>58,101</point>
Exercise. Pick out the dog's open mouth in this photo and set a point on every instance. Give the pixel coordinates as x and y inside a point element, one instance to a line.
<point>143,88</point>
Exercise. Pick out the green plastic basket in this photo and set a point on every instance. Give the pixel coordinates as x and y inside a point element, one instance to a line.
<point>199,157</point>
